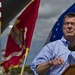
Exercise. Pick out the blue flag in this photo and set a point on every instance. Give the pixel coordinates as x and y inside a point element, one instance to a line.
<point>56,32</point>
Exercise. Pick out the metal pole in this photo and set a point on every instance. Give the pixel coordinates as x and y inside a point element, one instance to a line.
<point>23,66</point>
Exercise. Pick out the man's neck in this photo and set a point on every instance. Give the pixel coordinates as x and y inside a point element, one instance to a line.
<point>71,39</point>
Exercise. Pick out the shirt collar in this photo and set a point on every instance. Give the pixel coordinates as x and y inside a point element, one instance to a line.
<point>65,41</point>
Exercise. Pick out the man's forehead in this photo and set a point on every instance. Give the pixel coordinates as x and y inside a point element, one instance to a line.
<point>70,18</point>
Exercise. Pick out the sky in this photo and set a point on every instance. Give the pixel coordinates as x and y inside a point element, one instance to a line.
<point>49,12</point>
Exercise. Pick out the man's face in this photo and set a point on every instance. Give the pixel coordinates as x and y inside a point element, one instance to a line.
<point>69,26</point>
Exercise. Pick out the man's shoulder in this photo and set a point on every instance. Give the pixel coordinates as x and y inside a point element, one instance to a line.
<point>56,41</point>
<point>53,45</point>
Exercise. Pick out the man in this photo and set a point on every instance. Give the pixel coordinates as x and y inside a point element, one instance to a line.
<point>55,57</point>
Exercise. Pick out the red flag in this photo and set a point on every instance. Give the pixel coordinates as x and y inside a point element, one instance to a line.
<point>20,36</point>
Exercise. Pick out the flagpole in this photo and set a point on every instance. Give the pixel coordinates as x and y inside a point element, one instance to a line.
<point>29,3</point>
<point>23,66</point>
<point>27,49</point>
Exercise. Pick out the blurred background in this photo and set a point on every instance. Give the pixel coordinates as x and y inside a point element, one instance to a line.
<point>49,12</point>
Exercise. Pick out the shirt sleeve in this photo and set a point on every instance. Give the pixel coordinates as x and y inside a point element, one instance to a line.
<point>72,57</point>
<point>44,55</point>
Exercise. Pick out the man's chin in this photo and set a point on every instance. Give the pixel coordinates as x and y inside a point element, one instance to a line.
<point>70,35</point>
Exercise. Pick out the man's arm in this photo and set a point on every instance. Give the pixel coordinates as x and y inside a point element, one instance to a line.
<point>42,68</point>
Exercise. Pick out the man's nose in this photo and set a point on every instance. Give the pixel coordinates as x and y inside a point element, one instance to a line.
<point>69,25</point>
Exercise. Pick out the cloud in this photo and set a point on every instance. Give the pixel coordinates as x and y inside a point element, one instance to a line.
<point>53,8</point>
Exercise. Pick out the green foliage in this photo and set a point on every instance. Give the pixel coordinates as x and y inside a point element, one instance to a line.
<point>15,71</point>
<point>27,68</point>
